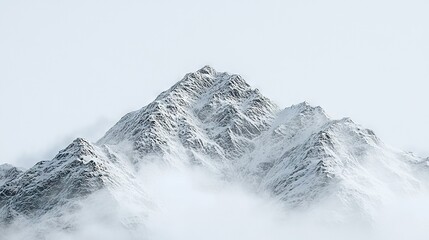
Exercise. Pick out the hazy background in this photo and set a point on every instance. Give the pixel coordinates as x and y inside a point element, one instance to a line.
<point>72,68</point>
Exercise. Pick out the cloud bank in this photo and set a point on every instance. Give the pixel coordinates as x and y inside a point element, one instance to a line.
<point>192,204</point>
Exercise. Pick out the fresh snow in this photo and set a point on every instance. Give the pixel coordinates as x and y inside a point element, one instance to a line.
<point>215,120</point>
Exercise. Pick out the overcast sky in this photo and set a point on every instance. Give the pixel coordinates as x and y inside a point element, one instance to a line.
<point>72,68</point>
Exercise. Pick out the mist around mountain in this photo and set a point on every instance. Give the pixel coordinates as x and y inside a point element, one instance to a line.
<point>212,158</point>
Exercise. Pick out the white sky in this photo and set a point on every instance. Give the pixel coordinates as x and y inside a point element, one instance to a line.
<point>72,68</point>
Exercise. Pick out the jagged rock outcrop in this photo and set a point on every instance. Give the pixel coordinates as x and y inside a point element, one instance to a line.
<point>8,172</point>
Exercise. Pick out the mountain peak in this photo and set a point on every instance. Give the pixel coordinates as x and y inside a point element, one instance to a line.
<point>205,81</point>
<point>302,104</point>
<point>306,106</point>
<point>220,104</point>
<point>6,166</point>
<point>8,172</point>
<point>79,148</point>
<point>207,70</point>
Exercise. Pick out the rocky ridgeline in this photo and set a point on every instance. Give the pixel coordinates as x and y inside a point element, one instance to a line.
<point>217,121</point>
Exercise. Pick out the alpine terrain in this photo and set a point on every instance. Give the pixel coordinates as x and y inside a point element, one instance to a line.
<point>216,121</point>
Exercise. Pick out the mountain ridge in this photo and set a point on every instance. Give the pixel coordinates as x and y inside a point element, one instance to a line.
<point>215,120</point>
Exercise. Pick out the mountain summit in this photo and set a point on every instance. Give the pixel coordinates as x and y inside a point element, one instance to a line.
<point>215,120</point>
<point>207,115</point>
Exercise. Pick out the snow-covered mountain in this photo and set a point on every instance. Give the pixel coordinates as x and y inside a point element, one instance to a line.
<point>215,120</point>
<point>207,118</point>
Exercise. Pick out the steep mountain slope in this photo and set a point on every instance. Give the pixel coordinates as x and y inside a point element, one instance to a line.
<point>217,121</point>
<point>343,161</point>
<point>206,116</point>
<point>54,187</point>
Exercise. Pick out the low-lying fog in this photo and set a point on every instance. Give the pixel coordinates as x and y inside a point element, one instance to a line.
<point>192,204</point>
